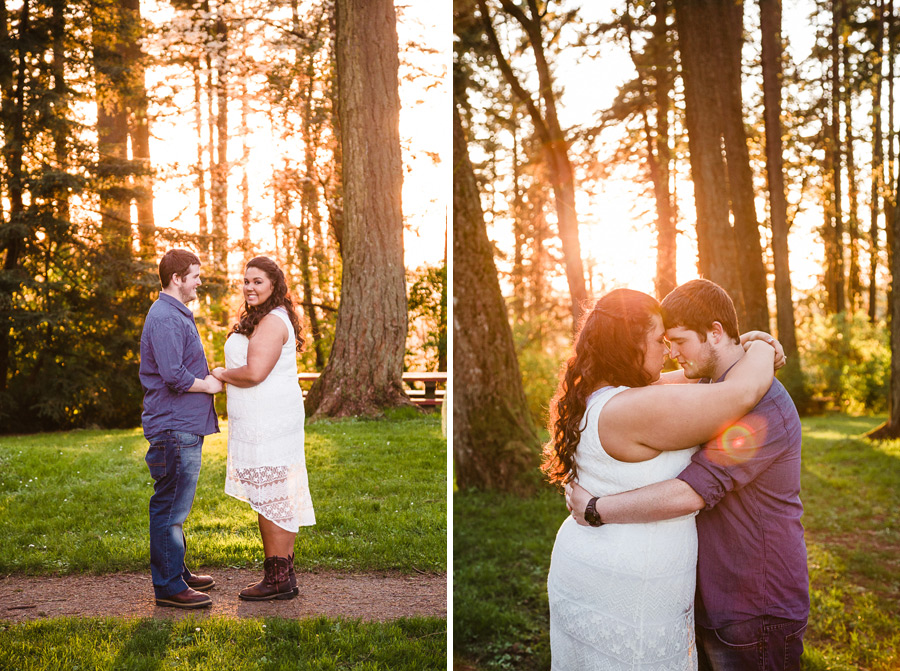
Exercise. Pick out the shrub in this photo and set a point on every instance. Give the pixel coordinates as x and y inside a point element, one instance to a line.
<point>847,358</point>
<point>540,375</point>
<point>543,343</point>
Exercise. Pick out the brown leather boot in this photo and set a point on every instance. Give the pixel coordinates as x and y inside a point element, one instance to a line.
<point>187,598</point>
<point>293,576</point>
<point>275,585</point>
<point>201,583</point>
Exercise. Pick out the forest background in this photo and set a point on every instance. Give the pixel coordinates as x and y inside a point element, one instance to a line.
<point>623,143</point>
<point>133,127</point>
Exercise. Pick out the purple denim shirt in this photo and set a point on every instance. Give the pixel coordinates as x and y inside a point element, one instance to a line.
<point>172,357</point>
<point>752,555</point>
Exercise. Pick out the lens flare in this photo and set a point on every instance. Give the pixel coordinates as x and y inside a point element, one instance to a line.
<point>736,444</point>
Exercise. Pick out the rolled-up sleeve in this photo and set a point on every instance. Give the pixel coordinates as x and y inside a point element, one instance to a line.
<point>167,342</point>
<point>737,456</point>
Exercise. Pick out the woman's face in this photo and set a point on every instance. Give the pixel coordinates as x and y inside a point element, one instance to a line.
<point>655,348</point>
<point>257,287</point>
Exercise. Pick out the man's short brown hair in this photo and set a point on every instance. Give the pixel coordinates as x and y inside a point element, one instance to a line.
<point>176,262</point>
<point>695,305</point>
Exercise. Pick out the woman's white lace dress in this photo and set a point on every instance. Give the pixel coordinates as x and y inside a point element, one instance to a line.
<point>622,595</point>
<point>266,461</point>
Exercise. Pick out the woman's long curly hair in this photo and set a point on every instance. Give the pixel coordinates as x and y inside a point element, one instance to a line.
<point>250,317</point>
<point>609,349</point>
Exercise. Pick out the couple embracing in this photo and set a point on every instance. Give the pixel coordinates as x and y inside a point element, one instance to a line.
<point>663,531</point>
<point>266,462</point>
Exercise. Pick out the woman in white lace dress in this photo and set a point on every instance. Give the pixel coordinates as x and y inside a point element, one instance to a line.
<point>621,596</point>
<point>266,462</point>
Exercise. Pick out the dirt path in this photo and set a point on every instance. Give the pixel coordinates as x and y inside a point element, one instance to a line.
<point>382,596</point>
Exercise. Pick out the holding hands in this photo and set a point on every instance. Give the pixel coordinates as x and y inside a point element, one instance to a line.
<point>750,336</point>
<point>213,384</point>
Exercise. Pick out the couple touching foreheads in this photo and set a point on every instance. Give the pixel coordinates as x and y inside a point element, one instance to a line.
<point>640,455</point>
<point>266,461</point>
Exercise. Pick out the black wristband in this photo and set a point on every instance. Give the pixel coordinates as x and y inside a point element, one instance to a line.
<point>590,513</point>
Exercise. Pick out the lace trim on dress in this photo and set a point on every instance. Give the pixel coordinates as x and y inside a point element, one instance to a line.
<point>276,510</point>
<point>279,493</point>
<point>260,477</point>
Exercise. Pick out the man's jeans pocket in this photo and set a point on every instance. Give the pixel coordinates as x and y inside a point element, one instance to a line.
<point>768,643</point>
<point>743,635</point>
<point>156,460</point>
<point>184,439</point>
<point>793,648</point>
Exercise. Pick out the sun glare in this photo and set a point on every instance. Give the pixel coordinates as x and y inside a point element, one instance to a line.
<point>265,146</point>
<point>616,212</point>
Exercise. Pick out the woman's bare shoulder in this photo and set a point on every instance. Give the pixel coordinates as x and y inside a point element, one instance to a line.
<point>273,324</point>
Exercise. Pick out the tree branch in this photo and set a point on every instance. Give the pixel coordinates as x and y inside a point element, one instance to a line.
<point>510,77</point>
<point>321,306</point>
<point>532,28</point>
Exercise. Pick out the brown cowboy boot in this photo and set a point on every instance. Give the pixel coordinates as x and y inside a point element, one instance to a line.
<point>275,585</point>
<point>293,576</point>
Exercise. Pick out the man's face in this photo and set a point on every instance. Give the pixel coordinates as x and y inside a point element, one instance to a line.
<point>698,359</point>
<point>187,285</point>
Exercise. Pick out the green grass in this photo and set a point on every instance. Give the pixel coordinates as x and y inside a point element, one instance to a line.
<point>501,555</point>
<point>77,501</point>
<point>216,644</point>
<point>851,496</point>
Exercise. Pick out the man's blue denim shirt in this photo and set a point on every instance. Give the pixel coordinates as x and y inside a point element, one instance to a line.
<point>172,357</point>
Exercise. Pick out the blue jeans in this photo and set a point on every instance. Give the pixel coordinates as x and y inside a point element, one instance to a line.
<point>762,643</point>
<point>174,462</point>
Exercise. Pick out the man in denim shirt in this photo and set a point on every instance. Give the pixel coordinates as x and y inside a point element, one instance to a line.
<point>752,600</point>
<point>178,413</point>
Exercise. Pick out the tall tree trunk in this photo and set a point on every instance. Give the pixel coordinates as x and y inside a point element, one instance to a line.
<point>209,259</point>
<point>890,199</point>
<point>336,200</point>
<point>219,169</point>
<point>12,93</point>
<point>660,160</point>
<point>246,242</point>
<point>310,216</point>
<point>740,175</point>
<point>659,155</point>
<point>547,127</point>
<point>541,263</point>
<point>494,440</point>
<point>890,30</point>
<point>517,273</point>
<point>718,260</point>
<point>853,283</point>
<point>877,159</point>
<point>891,428</point>
<point>770,19</point>
<point>139,130</point>
<point>113,166</point>
<point>363,374</point>
<point>200,172</point>
<point>834,233</point>
<point>61,106</point>
<point>59,132</point>
<point>442,313</point>
<point>310,222</point>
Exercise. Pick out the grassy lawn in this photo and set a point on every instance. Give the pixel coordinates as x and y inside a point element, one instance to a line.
<point>217,645</point>
<point>851,495</point>
<point>77,501</point>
